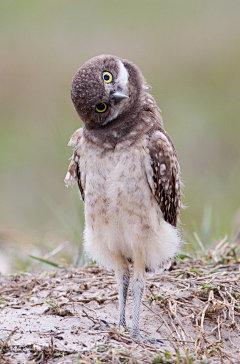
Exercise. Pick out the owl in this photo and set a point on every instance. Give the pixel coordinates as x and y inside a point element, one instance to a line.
<point>128,174</point>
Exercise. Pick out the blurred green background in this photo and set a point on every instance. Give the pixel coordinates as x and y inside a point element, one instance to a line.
<point>189,52</point>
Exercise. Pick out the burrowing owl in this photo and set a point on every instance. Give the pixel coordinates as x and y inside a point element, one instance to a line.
<point>128,174</point>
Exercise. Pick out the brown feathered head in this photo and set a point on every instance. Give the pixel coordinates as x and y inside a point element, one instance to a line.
<point>106,88</point>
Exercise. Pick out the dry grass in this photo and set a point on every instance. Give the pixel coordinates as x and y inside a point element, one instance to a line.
<point>194,309</point>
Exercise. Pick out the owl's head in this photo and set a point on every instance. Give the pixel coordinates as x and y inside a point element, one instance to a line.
<point>105,89</point>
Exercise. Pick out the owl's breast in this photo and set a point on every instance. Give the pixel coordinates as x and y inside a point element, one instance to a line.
<point>115,184</point>
<point>122,215</point>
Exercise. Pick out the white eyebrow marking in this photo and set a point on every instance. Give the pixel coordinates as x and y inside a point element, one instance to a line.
<point>123,75</point>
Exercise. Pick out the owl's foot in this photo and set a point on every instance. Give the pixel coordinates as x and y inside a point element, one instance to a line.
<point>122,323</point>
<point>146,340</point>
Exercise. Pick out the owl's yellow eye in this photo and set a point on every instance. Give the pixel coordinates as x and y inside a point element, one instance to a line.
<point>107,77</point>
<point>102,107</point>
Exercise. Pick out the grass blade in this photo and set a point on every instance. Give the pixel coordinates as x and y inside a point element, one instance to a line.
<point>61,266</point>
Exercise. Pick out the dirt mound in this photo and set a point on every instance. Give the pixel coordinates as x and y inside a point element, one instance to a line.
<point>69,316</point>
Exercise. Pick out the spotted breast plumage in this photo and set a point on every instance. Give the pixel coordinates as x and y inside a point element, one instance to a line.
<point>128,175</point>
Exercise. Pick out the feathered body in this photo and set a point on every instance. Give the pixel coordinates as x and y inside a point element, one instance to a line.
<point>128,174</point>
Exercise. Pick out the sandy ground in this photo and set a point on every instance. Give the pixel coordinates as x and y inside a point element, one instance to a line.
<point>70,316</point>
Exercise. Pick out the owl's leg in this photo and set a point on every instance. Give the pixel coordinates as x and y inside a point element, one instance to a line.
<point>138,285</point>
<point>122,275</point>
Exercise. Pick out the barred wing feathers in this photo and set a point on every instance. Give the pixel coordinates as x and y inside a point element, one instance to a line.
<point>74,174</point>
<point>164,174</point>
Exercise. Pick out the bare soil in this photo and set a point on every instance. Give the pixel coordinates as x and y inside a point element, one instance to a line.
<point>70,316</point>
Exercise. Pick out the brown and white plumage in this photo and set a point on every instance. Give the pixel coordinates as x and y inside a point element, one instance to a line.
<point>128,175</point>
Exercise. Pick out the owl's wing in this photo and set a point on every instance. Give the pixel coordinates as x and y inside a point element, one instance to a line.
<point>163,174</point>
<point>74,174</point>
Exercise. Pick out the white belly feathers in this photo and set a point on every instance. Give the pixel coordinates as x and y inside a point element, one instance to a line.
<point>121,213</point>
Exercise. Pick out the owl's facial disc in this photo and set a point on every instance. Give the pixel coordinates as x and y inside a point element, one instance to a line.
<point>117,90</point>
<point>105,89</point>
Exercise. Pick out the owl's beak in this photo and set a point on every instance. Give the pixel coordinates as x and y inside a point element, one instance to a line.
<point>119,95</point>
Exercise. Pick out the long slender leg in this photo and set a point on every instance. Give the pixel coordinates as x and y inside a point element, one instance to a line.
<point>122,276</point>
<point>138,285</point>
